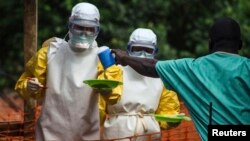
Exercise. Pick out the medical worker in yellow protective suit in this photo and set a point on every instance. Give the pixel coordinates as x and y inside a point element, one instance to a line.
<point>142,97</point>
<point>55,75</point>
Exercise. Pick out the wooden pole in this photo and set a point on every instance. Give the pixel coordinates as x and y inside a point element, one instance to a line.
<point>30,48</point>
<point>30,29</point>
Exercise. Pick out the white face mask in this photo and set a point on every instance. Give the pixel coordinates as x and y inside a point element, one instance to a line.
<point>80,42</point>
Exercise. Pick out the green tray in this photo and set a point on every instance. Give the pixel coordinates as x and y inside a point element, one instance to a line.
<point>172,118</point>
<point>102,83</point>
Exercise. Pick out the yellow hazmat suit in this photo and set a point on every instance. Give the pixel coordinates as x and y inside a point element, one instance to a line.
<point>142,97</point>
<point>70,108</point>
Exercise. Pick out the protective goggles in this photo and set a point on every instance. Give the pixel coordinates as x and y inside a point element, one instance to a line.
<point>84,30</point>
<point>147,47</point>
<point>84,22</point>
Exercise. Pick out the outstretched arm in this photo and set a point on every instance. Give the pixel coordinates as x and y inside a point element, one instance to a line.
<point>144,66</point>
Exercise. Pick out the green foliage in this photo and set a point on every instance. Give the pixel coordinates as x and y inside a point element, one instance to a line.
<point>181,26</point>
<point>11,36</point>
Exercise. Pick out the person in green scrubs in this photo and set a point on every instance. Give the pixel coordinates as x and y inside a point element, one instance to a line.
<point>215,87</point>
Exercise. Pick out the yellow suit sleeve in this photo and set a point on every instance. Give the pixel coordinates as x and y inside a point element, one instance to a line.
<point>102,110</point>
<point>35,67</point>
<point>112,73</point>
<point>169,104</point>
